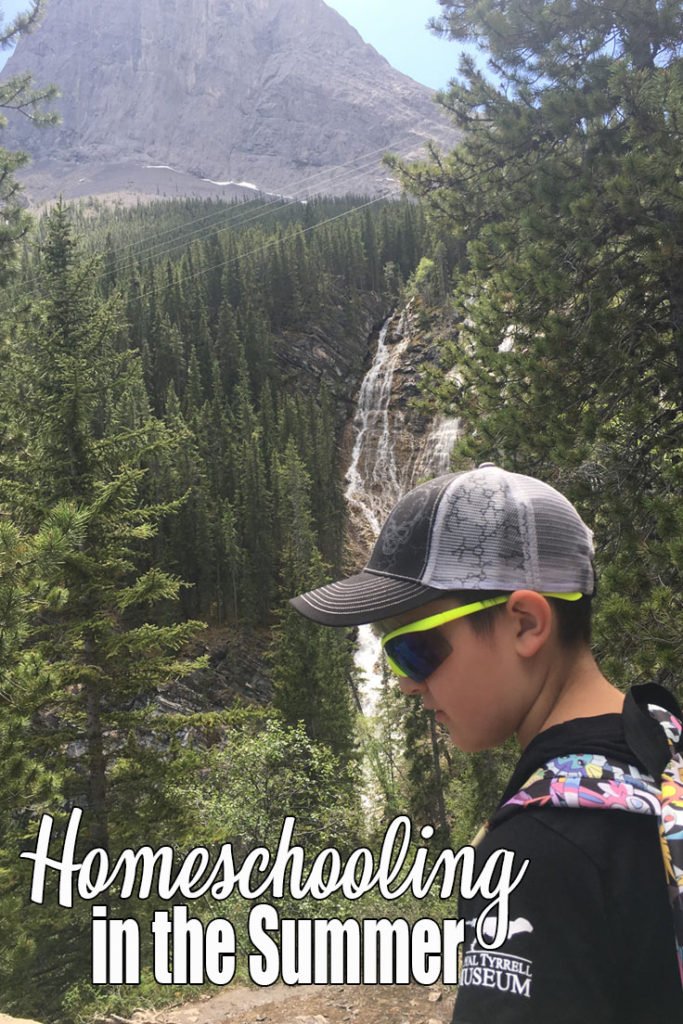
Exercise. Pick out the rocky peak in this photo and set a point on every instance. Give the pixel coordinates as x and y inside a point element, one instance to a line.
<point>269,92</point>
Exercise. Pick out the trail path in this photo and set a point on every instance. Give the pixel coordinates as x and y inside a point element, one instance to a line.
<point>313,1004</point>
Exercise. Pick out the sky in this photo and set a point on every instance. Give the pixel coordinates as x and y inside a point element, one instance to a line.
<point>396,28</point>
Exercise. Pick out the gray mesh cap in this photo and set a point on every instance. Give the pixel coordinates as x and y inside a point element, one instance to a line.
<point>485,529</point>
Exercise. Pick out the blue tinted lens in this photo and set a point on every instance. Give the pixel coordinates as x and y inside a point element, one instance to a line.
<point>418,654</point>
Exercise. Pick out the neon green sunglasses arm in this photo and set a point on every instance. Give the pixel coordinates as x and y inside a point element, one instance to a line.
<point>432,621</point>
<point>442,617</point>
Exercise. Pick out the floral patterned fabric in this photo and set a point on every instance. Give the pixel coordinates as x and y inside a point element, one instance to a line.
<point>592,781</point>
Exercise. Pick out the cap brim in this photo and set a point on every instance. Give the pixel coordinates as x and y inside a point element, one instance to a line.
<point>366,597</point>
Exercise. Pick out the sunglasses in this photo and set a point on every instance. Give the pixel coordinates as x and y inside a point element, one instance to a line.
<point>417,649</point>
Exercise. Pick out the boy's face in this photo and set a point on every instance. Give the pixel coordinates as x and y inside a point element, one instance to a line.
<point>484,691</point>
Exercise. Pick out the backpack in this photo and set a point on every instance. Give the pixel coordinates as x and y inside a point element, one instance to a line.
<point>653,724</point>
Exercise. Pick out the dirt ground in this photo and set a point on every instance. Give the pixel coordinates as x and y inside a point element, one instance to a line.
<point>313,1004</point>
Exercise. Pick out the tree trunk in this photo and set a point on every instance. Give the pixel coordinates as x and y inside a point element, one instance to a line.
<point>438,778</point>
<point>97,778</point>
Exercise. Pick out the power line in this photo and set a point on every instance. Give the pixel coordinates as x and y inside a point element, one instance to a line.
<point>240,217</point>
<point>304,184</point>
<point>268,245</point>
<point>234,219</point>
<point>251,252</point>
<point>328,174</point>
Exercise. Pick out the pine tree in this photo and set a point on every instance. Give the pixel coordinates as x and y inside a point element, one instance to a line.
<point>228,347</point>
<point>425,750</point>
<point>253,506</point>
<point>311,667</point>
<point>567,196</point>
<point>71,475</point>
<point>17,94</point>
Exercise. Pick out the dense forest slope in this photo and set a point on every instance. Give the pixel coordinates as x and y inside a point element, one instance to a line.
<point>177,380</point>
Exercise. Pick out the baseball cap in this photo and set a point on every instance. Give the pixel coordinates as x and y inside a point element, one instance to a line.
<point>483,529</point>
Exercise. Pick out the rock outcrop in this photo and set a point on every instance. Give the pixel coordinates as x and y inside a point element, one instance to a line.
<point>282,94</point>
<point>391,444</point>
<point>237,670</point>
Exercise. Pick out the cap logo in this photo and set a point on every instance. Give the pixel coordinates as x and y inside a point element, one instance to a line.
<point>402,548</point>
<point>484,529</point>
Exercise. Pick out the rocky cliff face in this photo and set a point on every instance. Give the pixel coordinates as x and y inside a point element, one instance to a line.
<point>390,445</point>
<point>283,94</point>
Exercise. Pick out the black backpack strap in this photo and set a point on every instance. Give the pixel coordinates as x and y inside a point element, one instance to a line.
<point>644,733</point>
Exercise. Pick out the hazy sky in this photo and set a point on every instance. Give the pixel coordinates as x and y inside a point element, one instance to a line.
<point>396,28</point>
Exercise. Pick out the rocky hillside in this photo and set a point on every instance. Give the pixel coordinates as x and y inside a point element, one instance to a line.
<point>168,96</point>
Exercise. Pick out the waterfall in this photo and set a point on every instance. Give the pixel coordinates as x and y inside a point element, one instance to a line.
<point>435,456</point>
<point>372,481</point>
<point>377,478</point>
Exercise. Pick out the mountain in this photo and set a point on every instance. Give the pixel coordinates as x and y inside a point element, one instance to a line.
<point>190,95</point>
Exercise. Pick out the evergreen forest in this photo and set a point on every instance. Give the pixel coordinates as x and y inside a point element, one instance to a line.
<point>176,385</point>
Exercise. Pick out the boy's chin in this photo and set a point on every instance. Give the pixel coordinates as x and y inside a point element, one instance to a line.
<point>474,744</point>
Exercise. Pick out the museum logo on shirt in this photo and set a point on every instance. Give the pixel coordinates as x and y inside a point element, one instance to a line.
<point>498,969</point>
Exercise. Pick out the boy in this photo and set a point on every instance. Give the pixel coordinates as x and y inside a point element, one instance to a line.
<point>480,584</point>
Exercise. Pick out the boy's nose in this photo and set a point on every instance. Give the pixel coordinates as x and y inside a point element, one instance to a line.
<point>410,688</point>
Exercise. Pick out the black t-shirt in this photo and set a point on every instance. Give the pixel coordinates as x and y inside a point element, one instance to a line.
<point>591,937</point>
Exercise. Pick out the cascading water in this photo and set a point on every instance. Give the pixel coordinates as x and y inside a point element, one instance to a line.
<point>373,483</point>
<point>377,478</point>
<point>435,456</point>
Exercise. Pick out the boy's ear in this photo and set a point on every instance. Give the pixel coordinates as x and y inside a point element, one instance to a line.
<point>530,618</point>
